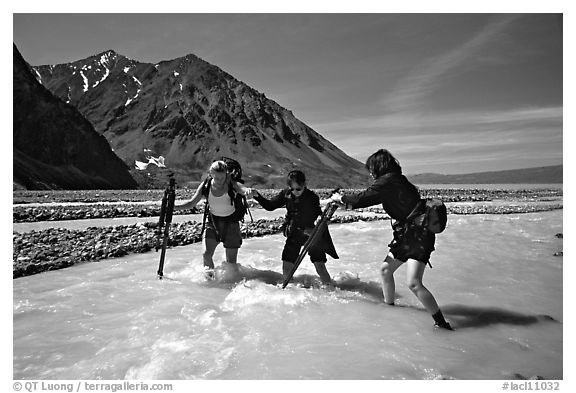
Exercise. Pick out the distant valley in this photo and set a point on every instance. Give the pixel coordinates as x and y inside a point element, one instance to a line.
<point>539,175</point>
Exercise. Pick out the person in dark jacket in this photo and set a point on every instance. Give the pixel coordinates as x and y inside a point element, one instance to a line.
<point>302,210</point>
<point>412,244</point>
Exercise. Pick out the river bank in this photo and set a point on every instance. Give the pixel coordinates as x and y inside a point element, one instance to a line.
<point>472,192</point>
<point>56,248</point>
<point>59,244</point>
<point>34,206</point>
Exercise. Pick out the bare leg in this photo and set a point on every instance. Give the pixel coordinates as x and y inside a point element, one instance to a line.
<point>389,266</point>
<point>231,258</point>
<point>322,272</point>
<point>208,253</point>
<point>231,255</point>
<point>414,276</point>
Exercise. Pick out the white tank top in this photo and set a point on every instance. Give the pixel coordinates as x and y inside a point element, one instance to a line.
<point>220,206</point>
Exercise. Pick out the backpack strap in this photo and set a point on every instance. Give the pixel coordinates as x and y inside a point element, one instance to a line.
<point>417,210</point>
<point>231,192</point>
<point>206,192</point>
<point>207,214</point>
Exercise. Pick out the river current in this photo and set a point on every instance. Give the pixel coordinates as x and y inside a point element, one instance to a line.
<point>495,277</point>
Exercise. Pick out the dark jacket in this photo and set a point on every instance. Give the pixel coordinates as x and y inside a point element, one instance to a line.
<point>301,213</point>
<point>396,194</point>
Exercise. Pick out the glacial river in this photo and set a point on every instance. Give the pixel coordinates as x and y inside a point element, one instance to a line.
<point>495,276</point>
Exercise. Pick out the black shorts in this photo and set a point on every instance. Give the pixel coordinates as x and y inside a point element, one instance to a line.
<point>293,246</point>
<point>411,242</point>
<point>226,231</point>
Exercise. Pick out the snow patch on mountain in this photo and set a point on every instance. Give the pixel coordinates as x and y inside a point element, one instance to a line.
<point>137,92</point>
<point>158,161</point>
<point>103,78</point>
<point>105,58</point>
<point>85,80</point>
<point>38,76</point>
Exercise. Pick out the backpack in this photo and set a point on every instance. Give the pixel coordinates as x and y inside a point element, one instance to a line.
<point>234,169</point>
<point>434,217</point>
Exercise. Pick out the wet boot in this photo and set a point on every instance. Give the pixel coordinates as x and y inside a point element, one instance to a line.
<point>440,322</point>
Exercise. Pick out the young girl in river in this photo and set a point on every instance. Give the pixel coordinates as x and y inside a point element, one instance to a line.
<point>302,210</point>
<point>222,224</point>
<point>412,244</point>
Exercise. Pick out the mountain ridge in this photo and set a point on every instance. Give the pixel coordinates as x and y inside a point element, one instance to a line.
<point>54,146</point>
<point>190,112</point>
<point>552,174</point>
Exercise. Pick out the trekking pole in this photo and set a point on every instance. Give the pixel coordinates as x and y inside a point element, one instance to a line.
<point>313,238</point>
<point>160,225</point>
<point>169,210</point>
<point>248,208</point>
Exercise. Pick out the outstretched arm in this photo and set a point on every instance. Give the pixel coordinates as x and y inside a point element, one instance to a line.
<point>373,195</point>
<point>241,189</point>
<point>271,204</point>
<point>370,197</point>
<point>193,202</point>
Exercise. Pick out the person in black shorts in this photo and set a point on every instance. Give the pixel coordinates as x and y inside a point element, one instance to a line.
<point>302,210</point>
<point>222,224</point>
<point>412,244</point>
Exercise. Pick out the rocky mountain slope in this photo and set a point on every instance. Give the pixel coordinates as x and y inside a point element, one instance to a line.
<point>190,112</point>
<point>54,146</point>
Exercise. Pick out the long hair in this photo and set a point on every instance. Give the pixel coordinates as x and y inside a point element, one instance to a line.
<point>381,163</point>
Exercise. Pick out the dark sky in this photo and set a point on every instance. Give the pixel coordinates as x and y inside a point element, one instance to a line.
<point>447,93</point>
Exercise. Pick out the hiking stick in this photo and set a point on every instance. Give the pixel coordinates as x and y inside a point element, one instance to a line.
<point>313,238</point>
<point>170,195</point>
<point>160,225</point>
